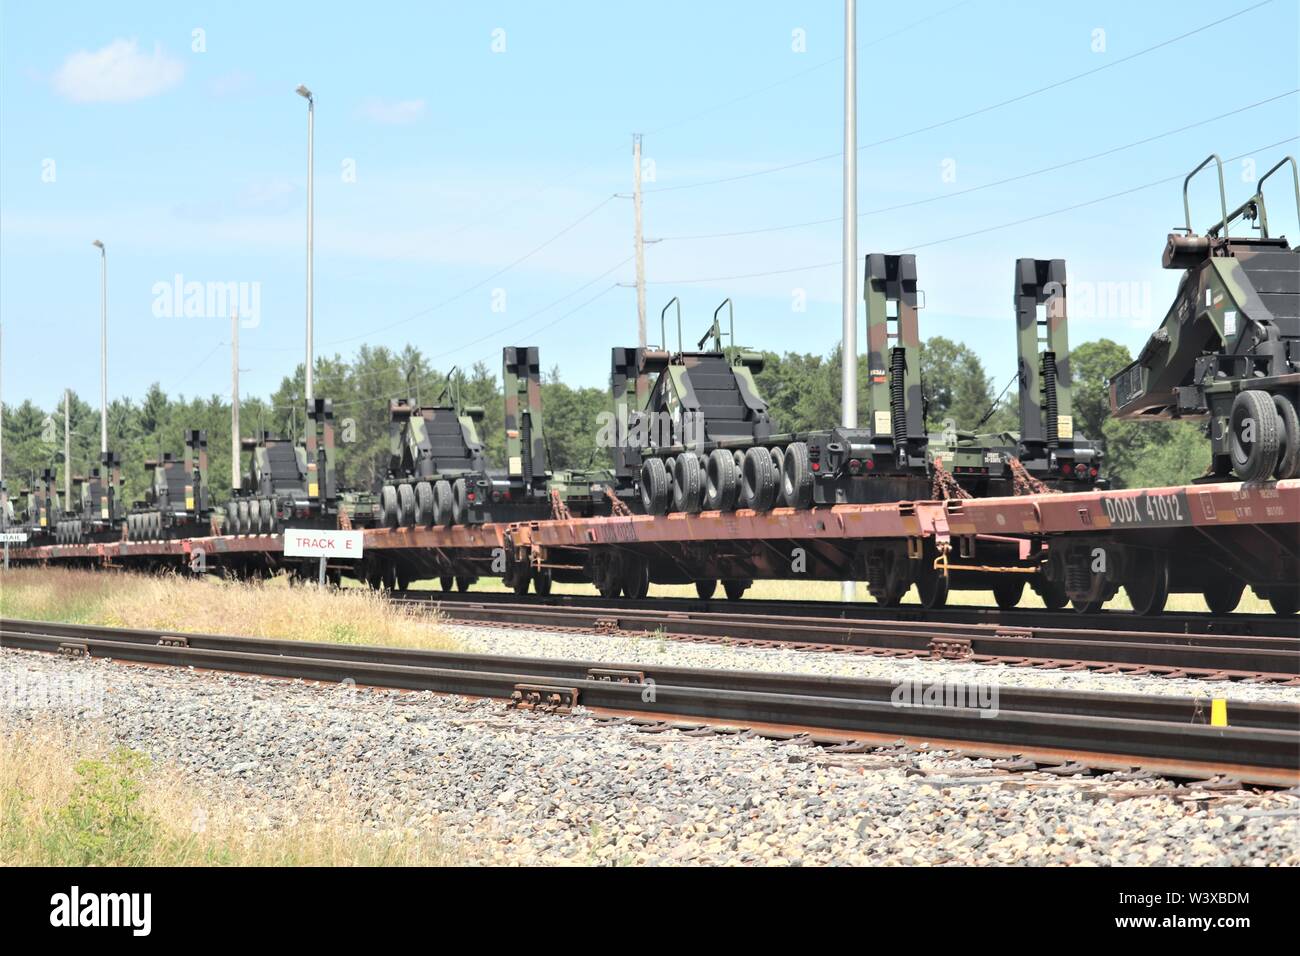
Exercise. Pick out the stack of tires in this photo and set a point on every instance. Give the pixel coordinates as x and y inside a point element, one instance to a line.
<point>252,516</point>
<point>68,531</point>
<point>145,526</point>
<point>758,478</point>
<point>432,503</point>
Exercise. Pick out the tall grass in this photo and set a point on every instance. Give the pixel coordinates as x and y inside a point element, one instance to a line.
<point>68,799</point>
<point>213,606</point>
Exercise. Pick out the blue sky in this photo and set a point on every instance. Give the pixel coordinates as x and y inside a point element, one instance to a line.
<point>467,158</point>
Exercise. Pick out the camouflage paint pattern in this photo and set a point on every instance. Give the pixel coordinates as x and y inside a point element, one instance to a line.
<point>525,435</point>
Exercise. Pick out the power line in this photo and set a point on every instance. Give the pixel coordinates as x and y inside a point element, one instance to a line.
<point>482,282</point>
<point>972,113</point>
<point>975,232</point>
<point>973,189</point>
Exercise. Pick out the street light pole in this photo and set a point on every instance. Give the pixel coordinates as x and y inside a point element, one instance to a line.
<point>103,346</point>
<point>849,347</point>
<point>311,122</point>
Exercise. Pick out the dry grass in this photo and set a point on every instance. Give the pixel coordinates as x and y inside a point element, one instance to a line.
<point>830,591</point>
<point>71,799</point>
<point>212,606</point>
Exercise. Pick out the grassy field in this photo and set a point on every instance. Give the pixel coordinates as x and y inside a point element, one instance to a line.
<point>213,606</point>
<point>69,798</point>
<point>830,591</point>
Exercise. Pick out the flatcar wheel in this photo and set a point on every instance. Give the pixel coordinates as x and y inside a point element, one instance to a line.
<point>735,590</point>
<point>1007,593</point>
<point>1222,593</point>
<point>1288,458</point>
<point>932,588</point>
<point>654,486</point>
<point>542,582</point>
<point>403,578</point>
<point>706,589</point>
<point>636,579</point>
<point>520,580</point>
<point>424,504</point>
<point>720,481</point>
<point>463,583</point>
<point>1053,594</point>
<point>797,476</point>
<point>1087,606</point>
<point>1148,590</point>
<point>446,582</point>
<point>390,576</point>
<point>1254,436</point>
<point>1285,600</point>
<point>688,484</point>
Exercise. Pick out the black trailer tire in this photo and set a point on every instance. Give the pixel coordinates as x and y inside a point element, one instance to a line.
<point>688,484</point>
<point>654,487</point>
<point>424,504</point>
<point>1288,458</point>
<point>443,504</point>
<point>245,518</point>
<point>705,590</point>
<point>1254,435</point>
<point>797,477</point>
<point>459,501</point>
<point>254,517</point>
<point>388,505</point>
<point>1007,593</point>
<point>406,505</point>
<point>1222,593</point>
<point>720,481</point>
<point>758,480</point>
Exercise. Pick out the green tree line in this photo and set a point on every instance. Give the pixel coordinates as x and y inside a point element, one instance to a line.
<point>802,389</point>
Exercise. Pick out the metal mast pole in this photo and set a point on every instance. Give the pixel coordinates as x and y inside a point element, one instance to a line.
<point>640,242</point>
<point>234,401</point>
<point>67,448</point>
<point>103,346</point>
<point>849,347</point>
<point>311,130</point>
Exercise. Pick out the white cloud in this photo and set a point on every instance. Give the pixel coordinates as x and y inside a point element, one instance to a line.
<point>392,112</point>
<point>117,73</point>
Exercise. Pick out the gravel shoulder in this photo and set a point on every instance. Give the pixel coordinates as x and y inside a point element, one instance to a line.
<point>526,789</point>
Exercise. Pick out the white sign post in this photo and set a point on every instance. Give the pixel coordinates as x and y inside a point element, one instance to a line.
<point>12,537</point>
<point>311,543</point>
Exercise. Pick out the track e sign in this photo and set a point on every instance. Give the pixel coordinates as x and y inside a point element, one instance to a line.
<point>335,545</point>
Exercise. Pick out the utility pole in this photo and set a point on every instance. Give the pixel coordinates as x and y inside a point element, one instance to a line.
<point>234,400</point>
<point>640,242</point>
<point>103,345</point>
<point>67,449</point>
<point>849,348</point>
<point>311,126</point>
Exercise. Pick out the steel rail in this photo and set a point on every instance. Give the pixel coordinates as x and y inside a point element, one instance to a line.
<point>1221,656</point>
<point>1168,735</point>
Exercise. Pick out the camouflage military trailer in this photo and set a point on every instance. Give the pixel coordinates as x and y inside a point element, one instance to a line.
<point>44,510</point>
<point>1046,443</point>
<point>1228,352</point>
<point>96,510</point>
<point>176,502</point>
<point>437,475</point>
<point>702,438</point>
<point>288,484</point>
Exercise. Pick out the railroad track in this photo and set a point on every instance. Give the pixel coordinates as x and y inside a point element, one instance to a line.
<point>1067,731</point>
<point>1067,645</point>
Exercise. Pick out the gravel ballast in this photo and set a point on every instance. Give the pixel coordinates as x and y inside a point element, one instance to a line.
<point>520,788</point>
